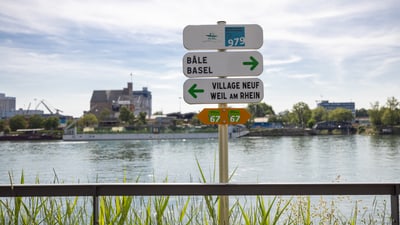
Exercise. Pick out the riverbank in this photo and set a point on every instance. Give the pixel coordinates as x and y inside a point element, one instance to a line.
<point>259,132</point>
<point>31,135</point>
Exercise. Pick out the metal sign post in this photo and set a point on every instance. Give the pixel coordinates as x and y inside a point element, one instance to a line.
<point>223,161</point>
<point>223,169</point>
<point>222,90</point>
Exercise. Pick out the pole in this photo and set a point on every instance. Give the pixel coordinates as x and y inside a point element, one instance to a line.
<point>223,161</point>
<point>223,169</point>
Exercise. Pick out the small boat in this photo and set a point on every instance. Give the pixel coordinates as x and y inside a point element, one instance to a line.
<point>72,135</point>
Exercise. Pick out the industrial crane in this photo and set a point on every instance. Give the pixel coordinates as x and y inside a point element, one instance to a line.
<point>48,108</point>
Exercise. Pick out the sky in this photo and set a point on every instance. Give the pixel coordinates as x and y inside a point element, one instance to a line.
<point>61,51</point>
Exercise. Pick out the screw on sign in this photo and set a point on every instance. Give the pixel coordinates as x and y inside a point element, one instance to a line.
<point>212,37</point>
<point>215,64</point>
<point>223,90</point>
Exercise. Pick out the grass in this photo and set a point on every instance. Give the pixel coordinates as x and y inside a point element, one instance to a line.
<point>184,210</point>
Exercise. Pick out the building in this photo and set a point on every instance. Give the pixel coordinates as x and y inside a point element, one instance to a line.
<point>334,105</point>
<point>262,122</point>
<point>110,101</point>
<point>7,106</point>
<point>142,101</point>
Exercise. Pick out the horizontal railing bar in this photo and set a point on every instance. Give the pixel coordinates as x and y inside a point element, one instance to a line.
<point>185,189</point>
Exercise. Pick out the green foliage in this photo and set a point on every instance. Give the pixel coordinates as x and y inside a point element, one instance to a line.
<point>105,114</point>
<point>375,114</point>
<point>301,113</point>
<point>35,121</point>
<point>126,116</point>
<point>389,115</point>
<point>311,122</point>
<point>88,120</point>
<point>142,118</point>
<point>361,112</point>
<point>158,113</point>
<point>319,114</point>
<point>18,122</point>
<point>340,115</point>
<point>2,125</point>
<point>157,210</point>
<point>51,123</point>
<point>260,109</point>
<point>286,117</point>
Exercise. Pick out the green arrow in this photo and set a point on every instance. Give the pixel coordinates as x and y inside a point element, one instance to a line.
<point>253,63</point>
<point>193,90</point>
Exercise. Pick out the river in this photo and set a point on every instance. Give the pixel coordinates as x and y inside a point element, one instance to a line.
<point>305,159</point>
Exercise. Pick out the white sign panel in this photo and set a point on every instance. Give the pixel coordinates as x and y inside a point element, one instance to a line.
<point>223,90</point>
<point>214,64</point>
<point>246,36</point>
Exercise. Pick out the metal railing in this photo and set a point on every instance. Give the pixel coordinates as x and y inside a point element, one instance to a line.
<point>191,189</point>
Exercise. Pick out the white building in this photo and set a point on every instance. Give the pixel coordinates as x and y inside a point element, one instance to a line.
<point>7,106</point>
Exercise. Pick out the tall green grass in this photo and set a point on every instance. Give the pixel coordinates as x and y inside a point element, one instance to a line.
<point>184,210</point>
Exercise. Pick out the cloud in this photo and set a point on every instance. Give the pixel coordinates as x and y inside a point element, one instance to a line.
<point>302,76</point>
<point>289,60</point>
<point>310,48</point>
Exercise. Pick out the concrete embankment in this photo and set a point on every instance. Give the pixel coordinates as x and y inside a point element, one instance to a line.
<point>280,132</point>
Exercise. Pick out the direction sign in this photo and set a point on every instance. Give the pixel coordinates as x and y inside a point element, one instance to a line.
<point>214,64</point>
<point>241,36</point>
<point>223,90</point>
<point>224,116</point>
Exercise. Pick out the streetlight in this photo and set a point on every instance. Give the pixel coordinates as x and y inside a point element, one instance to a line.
<point>180,98</point>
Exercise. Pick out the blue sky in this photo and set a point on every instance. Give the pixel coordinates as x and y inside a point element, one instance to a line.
<point>61,51</point>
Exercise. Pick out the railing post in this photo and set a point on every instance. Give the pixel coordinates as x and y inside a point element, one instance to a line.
<point>394,204</point>
<point>95,207</point>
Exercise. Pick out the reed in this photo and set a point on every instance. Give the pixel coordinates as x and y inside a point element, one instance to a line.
<point>183,210</point>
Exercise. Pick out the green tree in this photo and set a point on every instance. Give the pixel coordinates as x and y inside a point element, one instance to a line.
<point>88,120</point>
<point>2,125</point>
<point>51,123</point>
<point>390,114</point>
<point>105,114</point>
<point>311,122</point>
<point>319,114</point>
<point>142,118</point>
<point>301,113</point>
<point>361,112</point>
<point>195,120</point>
<point>126,116</point>
<point>158,113</point>
<point>375,114</point>
<point>260,109</point>
<point>340,115</point>
<point>35,121</point>
<point>284,117</point>
<point>18,122</point>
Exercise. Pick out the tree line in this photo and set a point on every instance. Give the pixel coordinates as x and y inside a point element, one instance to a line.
<point>302,116</point>
<point>29,122</point>
<point>126,117</point>
<point>16,122</point>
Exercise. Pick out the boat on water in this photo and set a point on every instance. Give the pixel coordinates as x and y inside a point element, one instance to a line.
<point>72,135</point>
<point>37,134</point>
